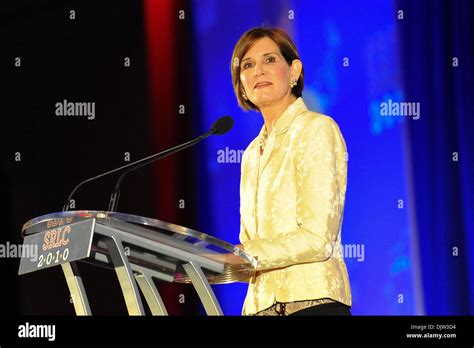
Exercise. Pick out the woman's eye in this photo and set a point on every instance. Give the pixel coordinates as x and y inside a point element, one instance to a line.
<point>247,65</point>
<point>270,59</point>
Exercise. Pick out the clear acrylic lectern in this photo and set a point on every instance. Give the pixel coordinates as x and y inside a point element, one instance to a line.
<point>139,249</point>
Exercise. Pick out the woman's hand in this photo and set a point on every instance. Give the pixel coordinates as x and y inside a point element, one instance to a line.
<point>233,259</point>
<point>229,258</point>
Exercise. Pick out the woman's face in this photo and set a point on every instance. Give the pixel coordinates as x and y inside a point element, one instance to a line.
<point>265,74</point>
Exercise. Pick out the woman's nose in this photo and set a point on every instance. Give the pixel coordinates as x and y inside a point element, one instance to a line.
<point>258,70</point>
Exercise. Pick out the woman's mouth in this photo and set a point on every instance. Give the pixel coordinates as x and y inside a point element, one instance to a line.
<point>262,85</point>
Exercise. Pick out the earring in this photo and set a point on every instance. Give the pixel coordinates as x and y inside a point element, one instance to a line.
<point>244,95</point>
<point>293,83</point>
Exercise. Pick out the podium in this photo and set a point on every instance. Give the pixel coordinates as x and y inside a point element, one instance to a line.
<point>139,250</point>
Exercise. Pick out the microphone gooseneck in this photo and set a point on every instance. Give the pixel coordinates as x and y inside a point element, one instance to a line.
<point>219,127</point>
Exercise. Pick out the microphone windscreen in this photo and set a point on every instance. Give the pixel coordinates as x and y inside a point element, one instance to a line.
<point>222,125</point>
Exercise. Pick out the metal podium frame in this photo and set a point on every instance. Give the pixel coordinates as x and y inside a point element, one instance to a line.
<point>141,249</point>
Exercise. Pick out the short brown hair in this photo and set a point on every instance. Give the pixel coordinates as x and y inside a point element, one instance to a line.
<point>247,40</point>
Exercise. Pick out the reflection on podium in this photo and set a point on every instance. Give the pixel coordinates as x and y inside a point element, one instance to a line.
<point>139,250</point>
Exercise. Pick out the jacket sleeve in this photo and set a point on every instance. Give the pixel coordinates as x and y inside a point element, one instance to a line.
<point>243,234</point>
<point>321,176</point>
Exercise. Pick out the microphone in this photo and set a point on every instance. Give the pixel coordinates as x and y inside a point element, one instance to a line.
<point>221,126</point>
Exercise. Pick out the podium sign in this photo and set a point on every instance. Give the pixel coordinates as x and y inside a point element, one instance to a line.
<point>60,243</point>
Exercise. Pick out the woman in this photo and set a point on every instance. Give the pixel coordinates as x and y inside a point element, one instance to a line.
<point>293,186</point>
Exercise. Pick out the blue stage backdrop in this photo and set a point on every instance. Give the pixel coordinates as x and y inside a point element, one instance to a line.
<point>436,41</point>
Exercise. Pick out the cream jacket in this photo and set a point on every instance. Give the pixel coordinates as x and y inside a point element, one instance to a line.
<point>291,208</point>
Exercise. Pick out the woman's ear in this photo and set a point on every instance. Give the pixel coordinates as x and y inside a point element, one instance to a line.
<point>296,67</point>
